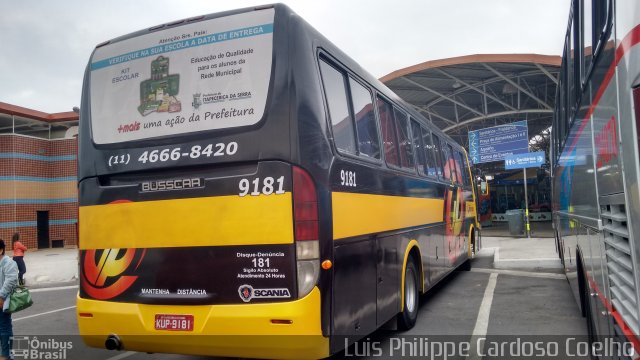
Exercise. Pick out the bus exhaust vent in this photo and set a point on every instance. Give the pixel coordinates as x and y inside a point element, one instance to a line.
<point>619,261</point>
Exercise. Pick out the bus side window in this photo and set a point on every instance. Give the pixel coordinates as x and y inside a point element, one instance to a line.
<point>460,172</point>
<point>404,139</point>
<point>433,165</point>
<point>437,155</point>
<point>452,163</point>
<point>586,33</point>
<point>466,175</point>
<point>336,95</point>
<point>447,158</point>
<point>387,125</point>
<point>367,131</point>
<point>416,131</point>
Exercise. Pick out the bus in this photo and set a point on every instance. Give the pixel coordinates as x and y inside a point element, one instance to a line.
<point>596,165</point>
<point>248,190</point>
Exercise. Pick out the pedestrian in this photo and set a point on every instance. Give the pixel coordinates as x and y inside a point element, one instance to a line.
<point>18,256</point>
<point>8,282</point>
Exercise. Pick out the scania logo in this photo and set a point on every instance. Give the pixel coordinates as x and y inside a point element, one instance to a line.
<point>103,271</point>
<point>176,184</point>
<point>247,292</point>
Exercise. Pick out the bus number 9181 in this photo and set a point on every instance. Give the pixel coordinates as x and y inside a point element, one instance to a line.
<point>268,187</point>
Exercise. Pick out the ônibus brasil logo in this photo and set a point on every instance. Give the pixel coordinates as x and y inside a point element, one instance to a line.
<point>103,275</point>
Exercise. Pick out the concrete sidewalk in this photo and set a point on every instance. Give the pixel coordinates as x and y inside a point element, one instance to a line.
<point>50,267</point>
<point>521,253</point>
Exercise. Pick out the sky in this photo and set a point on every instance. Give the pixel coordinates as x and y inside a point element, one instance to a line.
<point>45,45</point>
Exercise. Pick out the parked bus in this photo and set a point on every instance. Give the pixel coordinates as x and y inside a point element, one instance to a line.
<point>240,176</point>
<point>596,165</point>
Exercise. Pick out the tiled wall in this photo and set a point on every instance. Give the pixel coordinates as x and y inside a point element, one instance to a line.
<point>38,175</point>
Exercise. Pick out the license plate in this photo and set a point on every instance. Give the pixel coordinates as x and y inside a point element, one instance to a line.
<point>174,322</point>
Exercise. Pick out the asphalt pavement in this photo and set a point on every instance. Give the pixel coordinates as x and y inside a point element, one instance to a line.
<point>515,291</point>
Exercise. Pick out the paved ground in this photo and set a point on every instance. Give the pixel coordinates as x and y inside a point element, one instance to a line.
<point>50,267</point>
<point>514,291</point>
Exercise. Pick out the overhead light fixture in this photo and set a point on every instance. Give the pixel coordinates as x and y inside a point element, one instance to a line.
<point>456,85</point>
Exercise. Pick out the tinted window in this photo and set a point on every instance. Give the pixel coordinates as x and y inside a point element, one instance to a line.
<point>421,158</point>
<point>437,155</point>
<point>335,92</point>
<point>465,170</point>
<point>367,131</point>
<point>447,162</point>
<point>587,35</point>
<point>571,70</point>
<point>459,169</point>
<point>404,139</point>
<point>387,125</point>
<point>432,165</point>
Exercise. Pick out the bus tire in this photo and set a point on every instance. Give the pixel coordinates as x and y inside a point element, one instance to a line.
<point>586,312</point>
<point>407,318</point>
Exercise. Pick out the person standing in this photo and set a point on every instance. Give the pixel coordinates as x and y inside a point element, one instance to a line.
<point>8,282</point>
<point>18,256</point>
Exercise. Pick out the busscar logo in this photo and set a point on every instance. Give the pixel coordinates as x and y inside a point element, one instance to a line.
<point>247,292</point>
<point>167,185</point>
<point>105,272</point>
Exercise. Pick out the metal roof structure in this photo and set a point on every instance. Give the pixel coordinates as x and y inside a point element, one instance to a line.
<point>472,92</point>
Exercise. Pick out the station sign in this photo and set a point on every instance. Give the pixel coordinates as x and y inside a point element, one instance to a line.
<point>494,143</point>
<point>522,161</point>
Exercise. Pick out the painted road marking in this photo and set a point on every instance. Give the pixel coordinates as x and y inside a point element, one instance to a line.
<point>543,275</point>
<point>54,288</point>
<point>44,313</point>
<point>482,323</point>
<point>122,356</point>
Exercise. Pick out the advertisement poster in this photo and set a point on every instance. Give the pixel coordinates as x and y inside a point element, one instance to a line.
<point>211,74</point>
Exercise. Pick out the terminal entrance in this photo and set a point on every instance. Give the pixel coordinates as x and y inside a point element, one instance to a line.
<point>506,193</point>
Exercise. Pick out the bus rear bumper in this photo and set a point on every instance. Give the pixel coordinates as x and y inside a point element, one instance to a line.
<point>243,330</point>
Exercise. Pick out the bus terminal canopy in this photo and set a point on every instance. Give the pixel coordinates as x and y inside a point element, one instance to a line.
<point>473,92</point>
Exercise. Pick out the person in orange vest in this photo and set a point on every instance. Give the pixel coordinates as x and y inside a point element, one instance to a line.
<point>18,257</point>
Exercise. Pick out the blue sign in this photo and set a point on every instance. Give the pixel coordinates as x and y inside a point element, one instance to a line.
<point>521,161</point>
<point>494,143</point>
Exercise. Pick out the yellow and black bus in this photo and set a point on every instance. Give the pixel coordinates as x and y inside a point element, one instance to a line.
<point>246,189</point>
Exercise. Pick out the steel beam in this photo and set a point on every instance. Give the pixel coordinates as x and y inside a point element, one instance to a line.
<point>443,96</point>
<point>505,78</point>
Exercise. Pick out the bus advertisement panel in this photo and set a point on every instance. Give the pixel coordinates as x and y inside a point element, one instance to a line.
<point>206,75</point>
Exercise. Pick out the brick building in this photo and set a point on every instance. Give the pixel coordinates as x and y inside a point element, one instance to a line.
<point>38,176</point>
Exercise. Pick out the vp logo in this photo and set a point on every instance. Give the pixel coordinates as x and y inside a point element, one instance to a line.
<point>104,271</point>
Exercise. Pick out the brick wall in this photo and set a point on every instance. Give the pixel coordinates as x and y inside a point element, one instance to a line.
<point>38,175</point>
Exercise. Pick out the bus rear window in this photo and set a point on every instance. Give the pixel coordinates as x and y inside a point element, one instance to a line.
<point>206,75</point>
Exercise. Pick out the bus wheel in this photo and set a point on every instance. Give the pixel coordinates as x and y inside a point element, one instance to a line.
<point>591,330</point>
<point>407,318</point>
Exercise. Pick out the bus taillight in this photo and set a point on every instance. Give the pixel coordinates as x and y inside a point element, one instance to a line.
<point>305,218</point>
<point>305,206</point>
